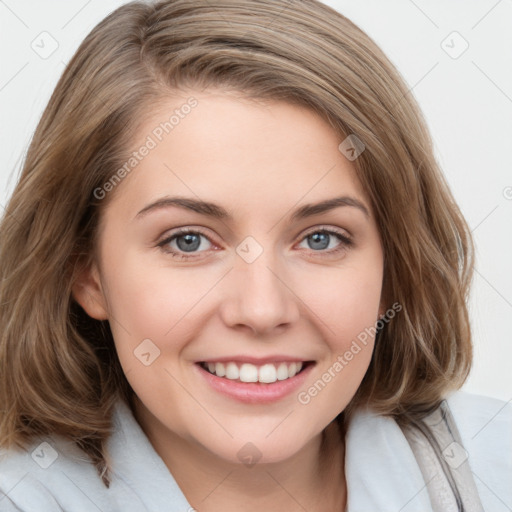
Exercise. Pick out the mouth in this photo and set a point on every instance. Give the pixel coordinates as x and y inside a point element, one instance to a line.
<point>255,382</point>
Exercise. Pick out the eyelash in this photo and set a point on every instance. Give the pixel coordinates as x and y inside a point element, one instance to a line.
<point>346,242</point>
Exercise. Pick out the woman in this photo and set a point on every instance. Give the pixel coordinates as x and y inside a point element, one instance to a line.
<point>234,278</point>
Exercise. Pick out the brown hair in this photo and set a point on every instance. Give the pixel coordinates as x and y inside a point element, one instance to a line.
<point>59,371</point>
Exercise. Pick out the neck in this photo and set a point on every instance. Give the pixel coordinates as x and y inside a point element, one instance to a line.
<point>313,479</point>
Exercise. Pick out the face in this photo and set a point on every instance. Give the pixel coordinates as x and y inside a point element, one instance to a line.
<point>235,302</point>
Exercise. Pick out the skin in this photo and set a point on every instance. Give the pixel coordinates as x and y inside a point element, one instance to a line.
<point>260,161</point>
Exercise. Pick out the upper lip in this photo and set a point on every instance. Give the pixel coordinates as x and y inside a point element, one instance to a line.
<point>258,361</point>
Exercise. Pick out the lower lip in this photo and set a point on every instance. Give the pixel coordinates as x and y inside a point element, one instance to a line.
<point>255,392</point>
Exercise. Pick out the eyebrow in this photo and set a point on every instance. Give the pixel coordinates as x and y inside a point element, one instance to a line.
<point>218,212</point>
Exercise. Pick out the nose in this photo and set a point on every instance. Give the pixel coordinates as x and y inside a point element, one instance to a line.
<point>258,298</point>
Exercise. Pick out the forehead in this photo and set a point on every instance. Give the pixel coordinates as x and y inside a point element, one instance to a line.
<point>251,156</point>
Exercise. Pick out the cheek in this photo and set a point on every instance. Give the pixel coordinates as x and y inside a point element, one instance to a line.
<point>347,300</point>
<point>349,335</point>
<point>156,304</point>
<point>347,305</point>
<point>150,301</point>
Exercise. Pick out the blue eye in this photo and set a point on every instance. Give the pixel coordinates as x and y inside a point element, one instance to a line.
<point>321,239</point>
<point>187,241</point>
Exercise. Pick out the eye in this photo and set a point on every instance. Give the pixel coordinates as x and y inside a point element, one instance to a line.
<point>322,239</point>
<point>185,241</point>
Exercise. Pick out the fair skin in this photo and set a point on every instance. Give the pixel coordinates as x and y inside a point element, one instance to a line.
<point>304,299</point>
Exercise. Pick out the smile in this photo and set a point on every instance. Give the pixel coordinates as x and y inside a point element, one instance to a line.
<point>247,372</point>
<point>255,382</point>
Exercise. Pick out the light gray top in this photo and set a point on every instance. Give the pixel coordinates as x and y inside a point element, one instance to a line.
<point>381,470</point>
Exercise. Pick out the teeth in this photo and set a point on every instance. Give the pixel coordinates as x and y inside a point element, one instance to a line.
<point>232,371</point>
<point>282,372</point>
<point>248,373</point>
<point>267,373</point>
<point>219,369</point>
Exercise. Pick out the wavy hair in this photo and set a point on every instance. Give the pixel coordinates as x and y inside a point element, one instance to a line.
<point>59,372</point>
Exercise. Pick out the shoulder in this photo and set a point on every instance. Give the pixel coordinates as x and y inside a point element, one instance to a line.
<point>50,475</point>
<point>483,420</point>
<point>54,475</point>
<point>378,451</point>
<point>485,427</point>
<point>471,409</point>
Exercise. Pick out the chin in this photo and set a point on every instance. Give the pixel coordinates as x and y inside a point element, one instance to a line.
<point>261,449</point>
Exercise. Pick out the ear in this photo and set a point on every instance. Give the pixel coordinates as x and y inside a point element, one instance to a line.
<point>88,292</point>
